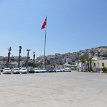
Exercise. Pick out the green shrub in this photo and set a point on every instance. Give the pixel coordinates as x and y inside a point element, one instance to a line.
<point>104,69</point>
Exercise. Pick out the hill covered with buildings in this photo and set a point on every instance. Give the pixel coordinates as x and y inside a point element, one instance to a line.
<point>58,58</point>
<point>72,57</point>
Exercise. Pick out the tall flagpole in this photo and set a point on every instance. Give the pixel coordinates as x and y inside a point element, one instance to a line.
<point>45,44</point>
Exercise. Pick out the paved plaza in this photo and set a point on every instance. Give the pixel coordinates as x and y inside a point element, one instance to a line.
<point>66,89</point>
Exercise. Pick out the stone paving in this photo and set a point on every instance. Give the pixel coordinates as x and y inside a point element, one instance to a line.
<point>66,89</point>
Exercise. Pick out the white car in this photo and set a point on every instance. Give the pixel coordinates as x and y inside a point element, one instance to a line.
<point>23,70</point>
<point>36,70</point>
<point>67,69</point>
<point>16,71</point>
<point>44,70</point>
<point>58,70</point>
<point>7,71</point>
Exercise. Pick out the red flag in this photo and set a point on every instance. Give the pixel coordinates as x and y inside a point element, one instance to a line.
<point>44,24</point>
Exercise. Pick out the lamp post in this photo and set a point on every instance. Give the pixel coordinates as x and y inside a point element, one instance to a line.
<point>27,57</point>
<point>8,56</point>
<point>20,47</point>
<point>34,57</point>
<point>78,62</point>
<point>91,53</point>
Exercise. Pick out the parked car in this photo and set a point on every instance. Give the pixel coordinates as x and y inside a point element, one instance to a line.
<point>23,70</point>
<point>44,70</point>
<point>59,70</point>
<point>36,70</point>
<point>51,70</point>
<point>16,71</point>
<point>67,69</point>
<point>1,70</point>
<point>31,70</point>
<point>7,71</point>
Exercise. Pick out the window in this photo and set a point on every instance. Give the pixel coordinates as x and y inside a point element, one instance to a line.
<point>103,64</point>
<point>94,64</point>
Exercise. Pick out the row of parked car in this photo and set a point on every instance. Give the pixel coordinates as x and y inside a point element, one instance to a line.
<point>24,70</point>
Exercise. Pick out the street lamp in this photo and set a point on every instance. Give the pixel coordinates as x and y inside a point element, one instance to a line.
<point>8,56</point>
<point>27,57</point>
<point>78,62</point>
<point>20,47</point>
<point>34,57</point>
<point>91,53</point>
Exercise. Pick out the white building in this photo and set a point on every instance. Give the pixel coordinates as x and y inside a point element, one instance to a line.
<point>98,63</point>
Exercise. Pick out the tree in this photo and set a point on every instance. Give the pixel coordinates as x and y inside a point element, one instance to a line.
<point>32,64</point>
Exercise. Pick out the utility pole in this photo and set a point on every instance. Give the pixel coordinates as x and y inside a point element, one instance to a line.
<point>20,47</point>
<point>27,57</point>
<point>8,56</point>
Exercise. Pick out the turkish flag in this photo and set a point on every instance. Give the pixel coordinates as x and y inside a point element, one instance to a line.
<point>44,24</point>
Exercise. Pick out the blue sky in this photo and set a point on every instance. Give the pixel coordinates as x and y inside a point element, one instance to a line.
<point>72,25</point>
